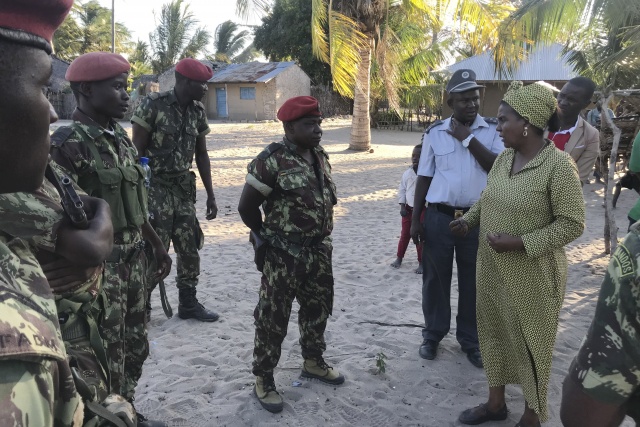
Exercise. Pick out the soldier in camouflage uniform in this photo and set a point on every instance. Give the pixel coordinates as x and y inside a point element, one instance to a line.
<point>39,219</point>
<point>169,128</point>
<point>97,154</point>
<point>36,385</point>
<point>292,182</point>
<point>603,384</point>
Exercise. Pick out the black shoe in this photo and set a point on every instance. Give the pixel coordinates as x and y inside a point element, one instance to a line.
<point>144,422</point>
<point>481,414</point>
<point>190,308</point>
<point>197,312</point>
<point>475,358</point>
<point>428,349</point>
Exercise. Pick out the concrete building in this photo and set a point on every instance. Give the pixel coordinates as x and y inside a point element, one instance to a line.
<point>545,62</point>
<point>254,91</point>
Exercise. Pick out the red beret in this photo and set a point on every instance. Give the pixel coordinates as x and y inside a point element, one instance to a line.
<point>297,107</point>
<point>32,22</point>
<point>96,66</point>
<point>194,70</point>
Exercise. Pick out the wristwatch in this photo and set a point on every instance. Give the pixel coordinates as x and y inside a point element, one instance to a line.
<point>467,140</point>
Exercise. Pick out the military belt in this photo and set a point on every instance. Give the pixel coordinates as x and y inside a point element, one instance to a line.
<point>303,240</point>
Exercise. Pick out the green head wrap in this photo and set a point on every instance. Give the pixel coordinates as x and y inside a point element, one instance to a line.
<point>534,102</point>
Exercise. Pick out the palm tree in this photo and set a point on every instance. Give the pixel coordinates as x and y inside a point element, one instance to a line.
<point>229,43</point>
<point>140,59</point>
<point>602,37</point>
<point>176,36</point>
<point>87,29</point>
<point>351,36</point>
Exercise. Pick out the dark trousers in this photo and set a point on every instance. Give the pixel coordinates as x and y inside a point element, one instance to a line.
<point>437,261</point>
<point>405,235</point>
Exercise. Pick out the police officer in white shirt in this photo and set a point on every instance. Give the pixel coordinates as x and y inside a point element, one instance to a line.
<point>456,156</point>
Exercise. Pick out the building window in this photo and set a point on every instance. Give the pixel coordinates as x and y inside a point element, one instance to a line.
<point>247,93</point>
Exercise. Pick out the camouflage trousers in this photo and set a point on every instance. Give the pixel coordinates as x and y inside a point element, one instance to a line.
<point>121,316</point>
<point>307,278</point>
<point>174,220</point>
<point>38,393</point>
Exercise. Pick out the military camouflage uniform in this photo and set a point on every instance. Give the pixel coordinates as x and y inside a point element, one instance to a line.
<point>608,363</point>
<point>120,307</point>
<point>297,225</point>
<point>36,217</point>
<point>172,194</point>
<point>36,385</point>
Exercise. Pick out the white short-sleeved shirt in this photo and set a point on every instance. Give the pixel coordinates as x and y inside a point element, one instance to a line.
<point>407,189</point>
<point>458,178</point>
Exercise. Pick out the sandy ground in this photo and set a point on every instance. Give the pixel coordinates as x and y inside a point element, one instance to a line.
<point>199,374</point>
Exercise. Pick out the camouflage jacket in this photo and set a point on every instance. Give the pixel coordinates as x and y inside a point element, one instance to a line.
<point>70,151</point>
<point>608,363</point>
<point>173,132</point>
<point>299,201</point>
<point>29,326</point>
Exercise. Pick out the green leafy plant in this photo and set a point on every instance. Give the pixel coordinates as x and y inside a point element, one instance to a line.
<point>381,363</point>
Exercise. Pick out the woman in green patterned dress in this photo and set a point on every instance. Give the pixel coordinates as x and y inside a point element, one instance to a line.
<point>531,208</point>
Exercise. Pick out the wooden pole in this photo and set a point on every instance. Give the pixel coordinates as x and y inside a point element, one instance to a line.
<point>610,229</point>
<point>113,26</point>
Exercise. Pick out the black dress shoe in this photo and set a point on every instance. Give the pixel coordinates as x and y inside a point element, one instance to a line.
<point>481,414</point>
<point>475,358</point>
<point>428,349</point>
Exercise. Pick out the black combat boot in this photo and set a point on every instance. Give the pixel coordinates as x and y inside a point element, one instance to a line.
<point>190,308</point>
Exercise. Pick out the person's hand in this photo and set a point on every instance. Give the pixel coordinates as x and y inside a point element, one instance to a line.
<point>403,210</point>
<point>501,242</point>
<point>417,232</point>
<point>212,208</point>
<point>95,207</point>
<point>64,276</point>
<point>458,130</point>
<point>459,227</point>
<point>163,262</point>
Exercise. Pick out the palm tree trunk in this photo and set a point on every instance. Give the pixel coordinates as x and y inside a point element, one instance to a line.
<point>360,124</point>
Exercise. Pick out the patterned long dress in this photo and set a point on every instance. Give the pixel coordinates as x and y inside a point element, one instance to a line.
<point>520,293</point>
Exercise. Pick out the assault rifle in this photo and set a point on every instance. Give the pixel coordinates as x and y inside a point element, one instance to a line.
<point>71,202</point>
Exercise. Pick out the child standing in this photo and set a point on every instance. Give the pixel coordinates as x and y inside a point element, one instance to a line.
<point>406,193</point>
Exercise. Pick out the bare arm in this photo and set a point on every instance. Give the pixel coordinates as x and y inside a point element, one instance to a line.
<point>88,247</point>
<point>422,188</point>
<point>141,139</point>
<point>483,156</point>
<point>578,409</point>
<point>163,260</point>
<point>249,208</point>
<point>204,168</point>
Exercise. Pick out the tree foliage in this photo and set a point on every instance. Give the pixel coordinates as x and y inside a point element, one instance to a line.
<point>87,28</point>
<point>229,44</point>
<point>602,37</point>
<point>176,36</point>
<point>285,35</point>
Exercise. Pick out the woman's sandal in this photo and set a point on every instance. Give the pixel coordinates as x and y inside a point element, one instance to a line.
<point>481,414</point>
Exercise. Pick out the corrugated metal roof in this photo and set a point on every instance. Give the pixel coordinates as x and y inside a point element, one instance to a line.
<point>251,72</point>
<point>543,63</point>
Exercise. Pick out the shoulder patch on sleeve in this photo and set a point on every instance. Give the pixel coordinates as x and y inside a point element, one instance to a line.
<point>491,120</point>
<point>61,135</point>
<point>434,124</point>
<point>269,150</point>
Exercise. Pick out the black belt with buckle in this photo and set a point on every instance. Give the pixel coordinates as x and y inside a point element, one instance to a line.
<point>449,210</point>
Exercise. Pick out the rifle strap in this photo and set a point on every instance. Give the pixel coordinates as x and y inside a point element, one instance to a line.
<point>166,307</point>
